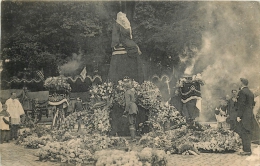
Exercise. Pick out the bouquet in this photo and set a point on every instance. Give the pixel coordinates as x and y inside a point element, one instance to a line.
<point>101,92</point>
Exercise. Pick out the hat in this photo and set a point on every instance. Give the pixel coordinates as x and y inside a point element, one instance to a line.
<point>244,81</point>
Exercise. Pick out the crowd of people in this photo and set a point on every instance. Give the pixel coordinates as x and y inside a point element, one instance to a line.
<point>236,113</point>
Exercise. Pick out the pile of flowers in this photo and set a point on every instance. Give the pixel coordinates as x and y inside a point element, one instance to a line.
<point>149,95</point>
<point>70,121</point>
<point>71,151</point>
<point>100,120</point>
<point>117,158</point>
<point>96,142</point>
<point>96,120</point>
<point>163,113</point>
<point>34,136</point>
<point>184,140</point>
<point>153,156</point>
<point>146,157</point>
<point>79,149</point>
<point>34,142</point>
<point>218,140</point>
<point>101,92</point>
<point>120,89</point>
<point>157,140</point>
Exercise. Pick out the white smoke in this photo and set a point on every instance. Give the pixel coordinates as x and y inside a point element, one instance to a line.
<point>230,49</point>
<point>74,63</point>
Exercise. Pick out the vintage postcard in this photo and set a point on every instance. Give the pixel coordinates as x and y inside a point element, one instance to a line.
<point>130,83</point>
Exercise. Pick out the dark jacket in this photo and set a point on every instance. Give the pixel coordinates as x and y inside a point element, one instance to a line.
<point>78,107</point>
<point>232,109</point>
<point>245,108</point>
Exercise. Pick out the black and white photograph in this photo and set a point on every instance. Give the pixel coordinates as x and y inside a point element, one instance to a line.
<point>129,83</point>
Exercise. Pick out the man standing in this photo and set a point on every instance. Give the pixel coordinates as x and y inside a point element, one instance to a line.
<point>15,110</point>
<point>232,110</point>
<point>245,116</point>
<point>131,108</point>
<point>77,108</point>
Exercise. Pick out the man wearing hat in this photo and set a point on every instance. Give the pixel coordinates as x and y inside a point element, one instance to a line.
<point>245,116</point>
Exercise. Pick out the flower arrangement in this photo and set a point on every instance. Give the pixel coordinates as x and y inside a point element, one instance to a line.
<point>218,140</point>
<point>100,120</point>
<point>183,140</point>
<point>101,92</point>
<point>35,142</point>
<point>149,95</point>
<point>96,142</point>
<point>70,121</point>
<point>153,156</point>
<point>96,120</point>
<point>57,83</point>
<point>164,114</point>
<point>78,150</point>
<point>71,151</point>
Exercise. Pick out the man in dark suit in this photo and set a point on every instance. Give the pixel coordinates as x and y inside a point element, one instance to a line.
<point>245,116</point>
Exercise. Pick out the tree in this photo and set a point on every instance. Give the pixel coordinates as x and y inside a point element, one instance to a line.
<point>49,38</point>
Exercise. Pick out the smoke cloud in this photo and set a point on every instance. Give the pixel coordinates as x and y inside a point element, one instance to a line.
<point>72,65</point>
<point>230,50</point>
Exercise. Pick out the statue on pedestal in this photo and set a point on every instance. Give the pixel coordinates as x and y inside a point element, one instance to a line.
<point>125,52</point>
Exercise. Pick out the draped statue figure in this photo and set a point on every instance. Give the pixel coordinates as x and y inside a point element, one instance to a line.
<point>125,61</point>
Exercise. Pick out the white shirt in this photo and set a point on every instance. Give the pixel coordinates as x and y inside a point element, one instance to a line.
<point>15,110</point>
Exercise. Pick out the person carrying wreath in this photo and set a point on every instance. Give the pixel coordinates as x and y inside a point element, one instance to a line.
<point>131,108</point>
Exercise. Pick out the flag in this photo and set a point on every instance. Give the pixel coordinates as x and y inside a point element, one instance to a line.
<point>40,74</point>
<point>83,73</point>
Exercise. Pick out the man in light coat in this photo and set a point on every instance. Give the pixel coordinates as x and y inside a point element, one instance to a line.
<point>15,109</point>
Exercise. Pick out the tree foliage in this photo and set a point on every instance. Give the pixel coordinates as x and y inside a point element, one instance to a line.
<point>167,29</point>
<point>45,35</point>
